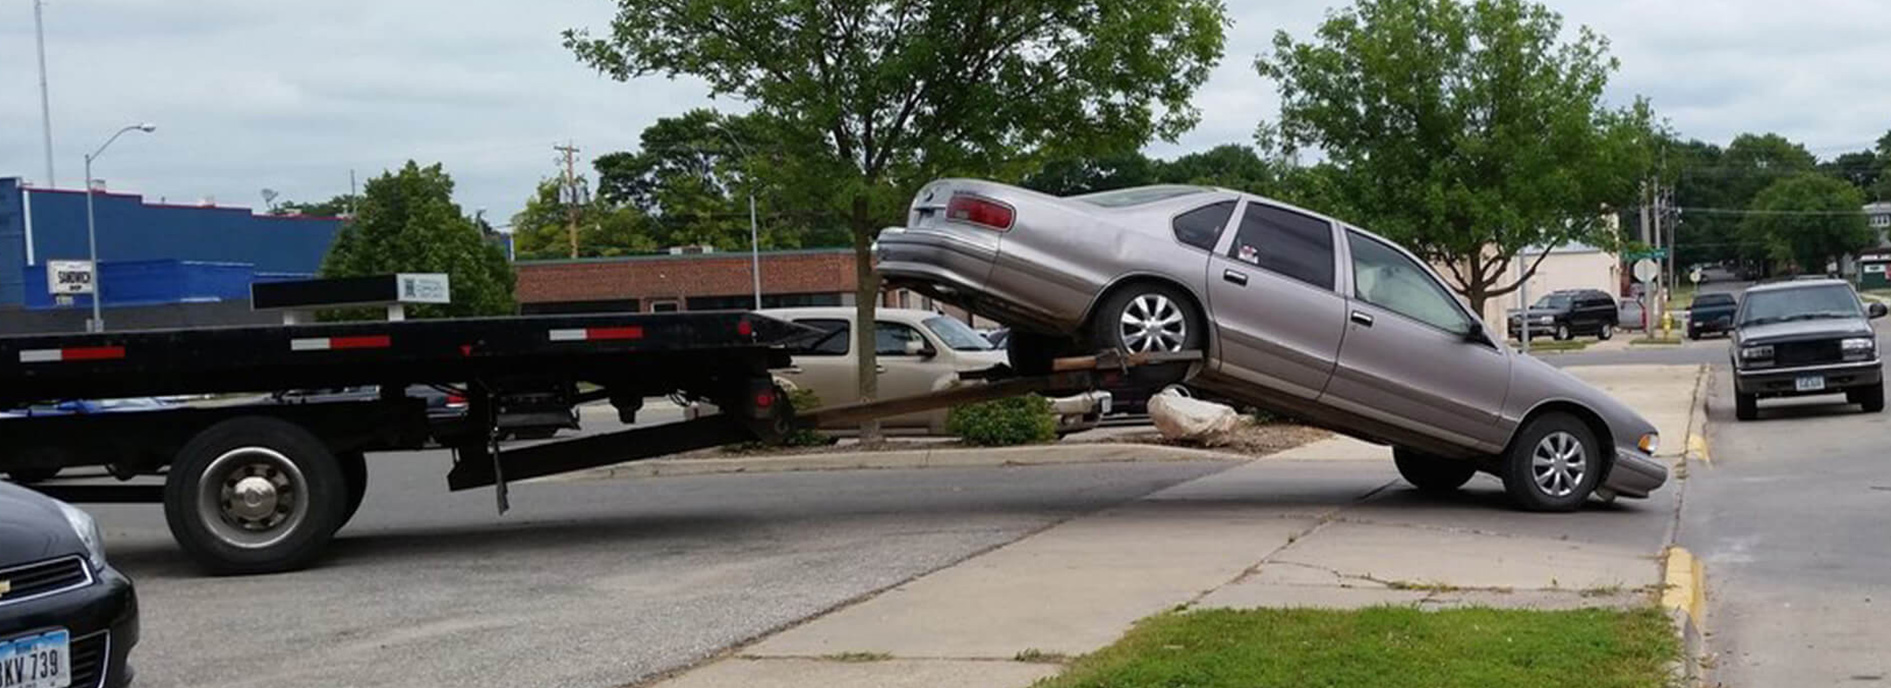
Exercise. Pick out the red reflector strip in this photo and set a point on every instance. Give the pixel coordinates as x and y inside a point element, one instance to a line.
<point>85,353</point>
<point>373,341</point>
<point>592,334</point>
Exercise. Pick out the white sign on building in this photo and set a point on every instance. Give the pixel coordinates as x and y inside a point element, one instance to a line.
<point>69,277</point>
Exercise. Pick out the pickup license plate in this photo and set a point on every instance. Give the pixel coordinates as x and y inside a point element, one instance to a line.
<point>36,661</point>
<point>1809,383</point>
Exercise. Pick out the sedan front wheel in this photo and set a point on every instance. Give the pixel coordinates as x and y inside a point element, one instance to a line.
<point>1553,464</point>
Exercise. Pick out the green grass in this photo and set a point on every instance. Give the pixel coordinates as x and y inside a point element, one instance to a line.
<point>1657,341</point>
<point>1385,646</point>
<point>1681,297</point>
<point>1553,345</point>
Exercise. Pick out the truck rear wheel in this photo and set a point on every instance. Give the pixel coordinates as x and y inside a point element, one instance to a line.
<point>354,469</point>
<point>254,495</point>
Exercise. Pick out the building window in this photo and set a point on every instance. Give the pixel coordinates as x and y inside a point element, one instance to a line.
<point>574,307</point>
<point>747,302</point>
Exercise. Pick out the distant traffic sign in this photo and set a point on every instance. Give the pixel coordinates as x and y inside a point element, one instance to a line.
<point>1646,270</point>
<point>1657,254</point>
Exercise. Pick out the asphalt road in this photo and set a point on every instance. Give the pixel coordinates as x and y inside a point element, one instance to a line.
<point>1789,517</point>
<point>598,583</point>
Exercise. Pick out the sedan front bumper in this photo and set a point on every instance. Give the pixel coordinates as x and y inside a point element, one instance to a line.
<point>1835,377</point>
<point>1635,474</point>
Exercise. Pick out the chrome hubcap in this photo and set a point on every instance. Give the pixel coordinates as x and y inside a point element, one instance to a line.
<point>1559,464</point>
<point>1153,322</point>
<point>252,497</point>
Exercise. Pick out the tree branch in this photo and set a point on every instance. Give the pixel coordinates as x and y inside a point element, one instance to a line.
<point>1527,274</point>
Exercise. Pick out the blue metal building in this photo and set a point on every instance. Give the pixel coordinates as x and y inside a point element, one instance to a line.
<point>150,254</point>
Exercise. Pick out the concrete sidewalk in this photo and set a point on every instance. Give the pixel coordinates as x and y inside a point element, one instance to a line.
<point>1328,524</point>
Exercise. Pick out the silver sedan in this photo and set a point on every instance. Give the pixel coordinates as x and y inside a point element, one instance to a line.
<point>1297,312</point>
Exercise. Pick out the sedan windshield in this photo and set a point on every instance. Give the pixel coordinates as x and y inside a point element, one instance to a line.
<point>1799,303</point>
<point>958,335</point>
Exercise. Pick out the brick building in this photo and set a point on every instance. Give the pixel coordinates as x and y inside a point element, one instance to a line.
<point>694,282</point>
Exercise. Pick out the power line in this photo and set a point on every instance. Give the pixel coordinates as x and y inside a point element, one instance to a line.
<point>1737,211</point>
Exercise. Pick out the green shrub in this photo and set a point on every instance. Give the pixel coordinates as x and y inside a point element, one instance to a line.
<point>1019,420</point>
<point>803,401</point>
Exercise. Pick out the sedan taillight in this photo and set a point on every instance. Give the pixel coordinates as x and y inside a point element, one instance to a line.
<point>980,211</point>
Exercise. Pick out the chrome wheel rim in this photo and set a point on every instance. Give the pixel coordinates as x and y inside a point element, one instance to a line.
<point>252,497</point>
<point>1153,322</point>
<point>1559,464</point>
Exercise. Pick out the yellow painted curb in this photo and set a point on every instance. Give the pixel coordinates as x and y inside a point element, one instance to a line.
<point>1684,585</point>
<point>1697,445</point>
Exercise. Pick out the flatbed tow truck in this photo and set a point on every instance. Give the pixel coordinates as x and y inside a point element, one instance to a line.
<point>262,488</point>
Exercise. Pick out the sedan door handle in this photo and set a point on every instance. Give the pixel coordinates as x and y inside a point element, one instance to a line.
<point>1362,318</point>
<point>1235,277</point>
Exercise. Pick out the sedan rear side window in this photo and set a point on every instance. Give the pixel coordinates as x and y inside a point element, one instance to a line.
<point>1202,226</point>
<point>1286,242</point>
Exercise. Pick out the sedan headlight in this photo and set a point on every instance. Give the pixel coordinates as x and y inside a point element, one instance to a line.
<point>1756,353</point>
<point>87,530</point>
<point>1649,443</point>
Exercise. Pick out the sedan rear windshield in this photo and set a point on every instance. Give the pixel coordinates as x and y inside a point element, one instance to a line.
<point>1122,198</point>
<point>1714,300</point>
<point>957,335</point>
<point>1800,303</point>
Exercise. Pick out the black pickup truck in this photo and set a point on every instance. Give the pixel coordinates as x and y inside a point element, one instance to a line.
<point>1711,314</point>
<point>1803,338</point>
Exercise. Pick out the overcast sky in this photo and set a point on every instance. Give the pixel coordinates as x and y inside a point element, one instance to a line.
<point>252,94</point>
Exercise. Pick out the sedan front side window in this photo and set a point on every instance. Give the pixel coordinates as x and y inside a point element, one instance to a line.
<point>1384,277</point>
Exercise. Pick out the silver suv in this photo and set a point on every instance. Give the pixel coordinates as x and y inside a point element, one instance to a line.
<point>1297,312</point>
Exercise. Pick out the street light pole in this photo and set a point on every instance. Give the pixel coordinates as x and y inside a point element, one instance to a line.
<point>91,228</point>
<point>45,104</point>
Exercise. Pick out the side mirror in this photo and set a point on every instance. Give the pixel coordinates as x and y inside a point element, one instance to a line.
<point>918,348</point>
<point>1876,310</point>
<point>1475,333</point>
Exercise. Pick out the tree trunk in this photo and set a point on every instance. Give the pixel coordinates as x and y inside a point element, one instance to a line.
<point>866,296</point>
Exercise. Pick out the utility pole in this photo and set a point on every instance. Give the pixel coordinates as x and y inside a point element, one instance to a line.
<point>571,187</point>
<point>45,102</point>
<point>352,194</point>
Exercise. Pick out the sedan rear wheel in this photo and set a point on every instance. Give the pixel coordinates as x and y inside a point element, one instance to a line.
<point>1146,318</point>
<point>1553,464</point>
<point>1432,473</point>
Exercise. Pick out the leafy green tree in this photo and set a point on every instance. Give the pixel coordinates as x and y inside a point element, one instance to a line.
<point>1230,166</point>
<point>333,207</point>
<point>1071,176</point>
<point>1467,130</point>
<point>873,96</point>
<point>1860,169</point>
<point>407,222</point>
<point>692,176</point>
<point>542,231</point>
<point>1807,219</point>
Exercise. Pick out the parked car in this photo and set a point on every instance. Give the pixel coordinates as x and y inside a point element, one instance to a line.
<point>67,618</point>
<point>444,409</point>
<point>1569,313</point>
<point>1805,337</point>
<point>1711,314</point>
<point>1630,315</point>
<point>1296,313</point>
<point>27,475</point>
<point>918,352</point>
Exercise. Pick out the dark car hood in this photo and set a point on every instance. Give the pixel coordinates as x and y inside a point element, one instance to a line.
<point>31,528</point>
<point>1827,328</point>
